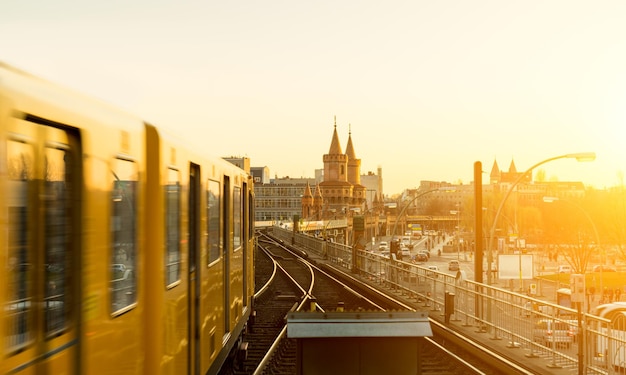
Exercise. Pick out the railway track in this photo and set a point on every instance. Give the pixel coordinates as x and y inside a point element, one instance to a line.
<point>276,295</point>
<point>287,282</point>
<point>316,286</point>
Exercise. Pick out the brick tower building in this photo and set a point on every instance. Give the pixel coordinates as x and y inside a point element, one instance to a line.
<point>341,190</point>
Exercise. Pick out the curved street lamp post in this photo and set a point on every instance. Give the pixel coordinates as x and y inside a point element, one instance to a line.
<point>582,156</point>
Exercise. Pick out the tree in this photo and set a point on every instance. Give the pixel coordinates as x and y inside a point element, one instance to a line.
<point>568,228</point>
<point>437,207</point>
<point>608,209</point>
<point>540,176</point>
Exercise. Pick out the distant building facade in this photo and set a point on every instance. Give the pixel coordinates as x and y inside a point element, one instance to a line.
<point>373,183</point>
<point>241,162</point>
<point>260,175</point>
<point>339,189</point>
<point>528,192</point>
<point>532,192</point>
<point>280,199</point>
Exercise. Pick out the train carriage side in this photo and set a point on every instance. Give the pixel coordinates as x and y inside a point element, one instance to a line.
<point>234,270</point>
<point>70,178</point>
<point>250,243</point>
<point>167,335</point>
<point>193,194</point>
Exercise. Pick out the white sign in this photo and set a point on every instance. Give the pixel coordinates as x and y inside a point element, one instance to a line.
<point>577,284</point>
<point>515,267</point>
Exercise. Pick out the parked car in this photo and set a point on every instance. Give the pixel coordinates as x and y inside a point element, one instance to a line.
<point>548,332</point>
<point>565,269</point>
<point>604,269</point>
<point>454,265</point>
<point>406,254</point>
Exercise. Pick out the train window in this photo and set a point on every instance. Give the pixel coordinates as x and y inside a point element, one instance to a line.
<point>172,227</point>
<point>19,312</point>
<point>57,245</point>
<point>251,214</point>
<point>237,210</point>
<point>123,231</point>
<point>213,221</point>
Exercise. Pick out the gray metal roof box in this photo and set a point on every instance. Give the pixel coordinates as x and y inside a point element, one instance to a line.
<point>358,324</point>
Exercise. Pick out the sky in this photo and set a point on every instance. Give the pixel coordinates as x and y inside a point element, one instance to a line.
<point>425,88</point>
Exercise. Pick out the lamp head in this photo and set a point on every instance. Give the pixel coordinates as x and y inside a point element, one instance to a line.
<point>583,156</point>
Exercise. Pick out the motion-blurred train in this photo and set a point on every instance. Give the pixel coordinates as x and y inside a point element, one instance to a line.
<point>121,250</point>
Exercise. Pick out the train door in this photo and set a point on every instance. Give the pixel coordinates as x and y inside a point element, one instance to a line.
<point>244,242</point>
<point>42,206</point>
<point>226,253</point>
<point>194,270</point>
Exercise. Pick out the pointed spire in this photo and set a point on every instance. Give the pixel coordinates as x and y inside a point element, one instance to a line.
<point>318,191</point>
<point>307,191</point>
<point>350,148</point>
<point>307,201</point>
<point>512,168</point>
<point>335,147</point>
<point>495,171</point>
<point>318,202</point>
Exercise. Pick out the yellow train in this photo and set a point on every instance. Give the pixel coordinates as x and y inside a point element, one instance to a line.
<point>121,250</point>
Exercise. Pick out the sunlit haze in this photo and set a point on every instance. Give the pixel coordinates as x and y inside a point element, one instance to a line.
<point>426,87</point>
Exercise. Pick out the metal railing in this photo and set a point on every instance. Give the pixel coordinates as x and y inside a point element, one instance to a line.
<point>542,328</point>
